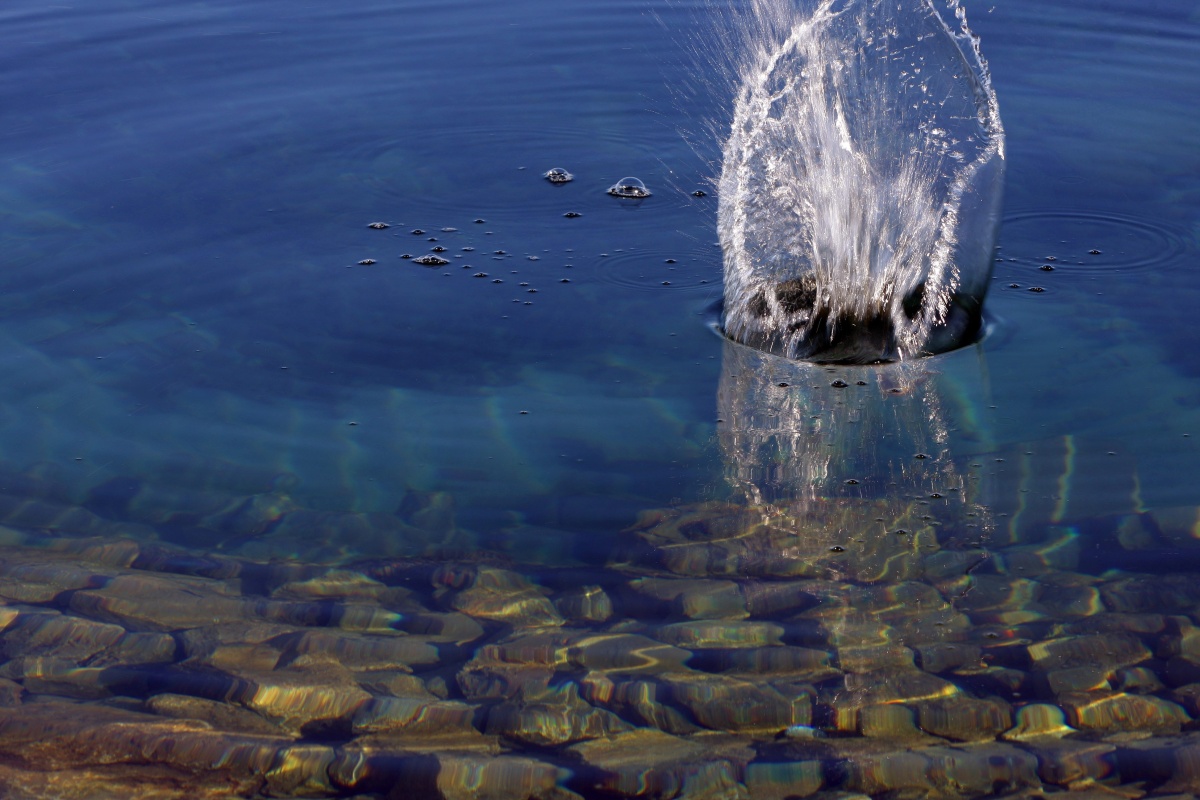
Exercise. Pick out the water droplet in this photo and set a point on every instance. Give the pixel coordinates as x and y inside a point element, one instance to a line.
<point>1014,286</point>
<point>439,249</point>
<point>936,496</point>
<point>860,383</point>
<point>497,280</point>
<point>699,193</point>
<point>629,187</point>
<point>1036,289</point>
<point>565,280</point>
<point>921,456</point>
<point>430,260</point>
<point>670,261</point>
<point>572,214</point>
<point>837,548</point>
<point>480,275</point>
<point>532,291</point>
<point>1051,258</point>
<point>524,412</point>
<point>367,261</point>
<point>379,225</point>
<point>524,284</point>
<point>480,221</point>
<point>1093,252</point>
<point>839,384</point>
<point>558,175</point>
<point>418,232</point>
<point>500,252</point>
<point>1046,268</point>
<point>406,255</point>
<point>783,385</point>
<point>851,482</point>
<point>901,532</point>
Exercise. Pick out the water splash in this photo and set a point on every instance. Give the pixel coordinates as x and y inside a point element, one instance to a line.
<point>861,181</point>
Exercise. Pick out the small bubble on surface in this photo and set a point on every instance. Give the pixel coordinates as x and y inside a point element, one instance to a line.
<point>1046,268</point>
<point>367,261</point>
<point>1014,286</point>
<point>782,385</point>
<point>860,383</point>
<point>379,225</point>
<point>837,548</point>
<point>480,275</point>
<point>1036,289</point>
<point>921,456</point>
<point>699,193</point>
<point>851,482</point>
<point>430,260</point>
<point>1093,252</point>
<point>572,214</point>
<point>558,175</point>
<point>839,384</point>
<point>629,187</point>
<point>417,232</point>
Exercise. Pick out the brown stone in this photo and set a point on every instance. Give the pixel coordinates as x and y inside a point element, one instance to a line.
<point>651,763</point>
<point>221,716</point>
<point>720,634</point>
<point>587,604</point>
<point>1111,712</point>
<point>61,635</point>
<point>964,719</point>
<point>360,651</point>
<point>496,594</point>
<point>414,716</point>
<point>153,603</point>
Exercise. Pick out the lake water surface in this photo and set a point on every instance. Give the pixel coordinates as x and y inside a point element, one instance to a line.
<point>285,513</point>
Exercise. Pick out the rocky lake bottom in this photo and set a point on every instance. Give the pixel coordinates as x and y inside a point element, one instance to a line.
<point>724,651</point>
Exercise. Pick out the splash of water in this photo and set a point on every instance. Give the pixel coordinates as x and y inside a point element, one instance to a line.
<point>861,181</point>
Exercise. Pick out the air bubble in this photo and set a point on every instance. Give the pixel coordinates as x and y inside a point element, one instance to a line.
<point>558,175</point>
<point>572,215</point>
<point>629,187</point>
<point>839,384</point>
<point>430,260</point>
<point>367,261</point>
<point>379,225</point>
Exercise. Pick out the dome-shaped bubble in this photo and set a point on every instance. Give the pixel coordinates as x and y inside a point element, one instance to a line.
<point>558,175</point>
<point>629,187</point>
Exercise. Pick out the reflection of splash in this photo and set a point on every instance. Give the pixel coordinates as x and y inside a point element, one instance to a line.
<point>794,430</point>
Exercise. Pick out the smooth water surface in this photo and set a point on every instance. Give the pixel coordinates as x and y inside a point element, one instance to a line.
<point>207,390</point>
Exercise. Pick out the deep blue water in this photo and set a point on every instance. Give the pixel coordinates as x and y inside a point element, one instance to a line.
<point>185,193</point>
<point>187,188</point>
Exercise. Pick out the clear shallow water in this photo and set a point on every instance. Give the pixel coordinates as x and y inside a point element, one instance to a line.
<point>195,358</point>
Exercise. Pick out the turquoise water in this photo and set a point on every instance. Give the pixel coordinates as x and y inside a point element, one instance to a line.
<point>197,363</point>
